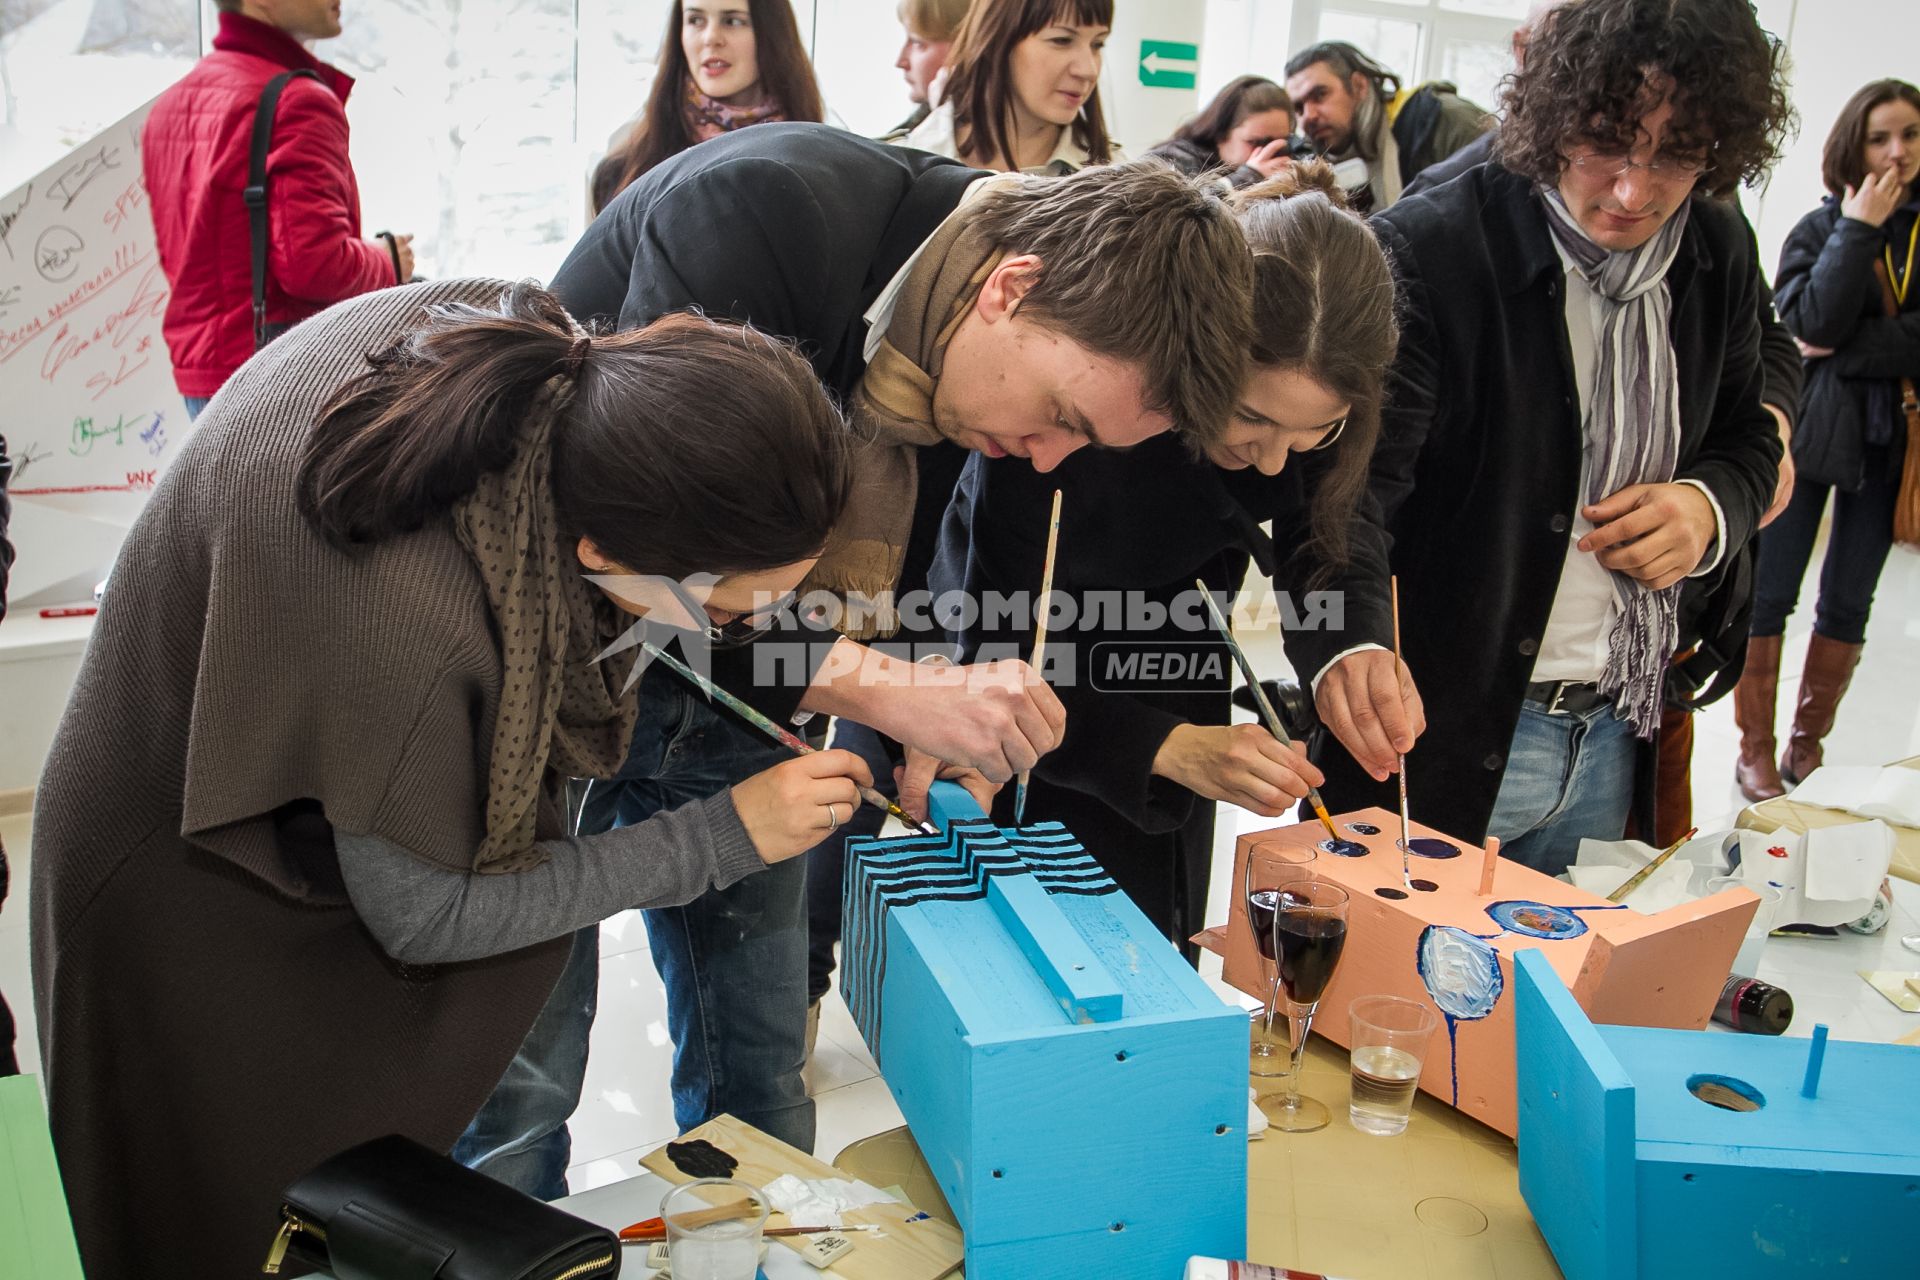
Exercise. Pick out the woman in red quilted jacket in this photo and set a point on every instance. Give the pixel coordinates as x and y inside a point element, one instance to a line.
<point>194,153</point>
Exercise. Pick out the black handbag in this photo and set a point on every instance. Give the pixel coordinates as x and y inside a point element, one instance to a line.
<point>391,1209</point>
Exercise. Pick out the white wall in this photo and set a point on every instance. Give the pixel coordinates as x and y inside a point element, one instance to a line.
<point>1836,46</point>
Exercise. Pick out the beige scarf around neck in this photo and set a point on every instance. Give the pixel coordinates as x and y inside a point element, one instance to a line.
<point>559,708</point>
<point>893,414</point>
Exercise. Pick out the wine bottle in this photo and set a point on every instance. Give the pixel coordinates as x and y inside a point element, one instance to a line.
<point>1748,1004</point>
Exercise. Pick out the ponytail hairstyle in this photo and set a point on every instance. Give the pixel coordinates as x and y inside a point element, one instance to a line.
<point>1323,306</point>
<point>980,74</point>
<point>786,77</point>
<point>687,446</point>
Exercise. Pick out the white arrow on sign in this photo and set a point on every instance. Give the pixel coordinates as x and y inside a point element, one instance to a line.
<point>1155,64</point>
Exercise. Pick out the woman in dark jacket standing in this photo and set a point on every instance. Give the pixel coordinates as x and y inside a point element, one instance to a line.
<point>1245,132</point>
<point>1836,270</point>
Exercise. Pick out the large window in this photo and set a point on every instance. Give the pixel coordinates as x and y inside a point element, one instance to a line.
<point>475,122</point>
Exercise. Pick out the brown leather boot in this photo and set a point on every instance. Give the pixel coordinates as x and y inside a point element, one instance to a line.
<point>1828,672</point>
<point>1753,702</point>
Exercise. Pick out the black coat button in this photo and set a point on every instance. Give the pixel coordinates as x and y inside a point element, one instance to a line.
<point>1529,647</point>
<point>1493,761</point>
<point>1558,524</point>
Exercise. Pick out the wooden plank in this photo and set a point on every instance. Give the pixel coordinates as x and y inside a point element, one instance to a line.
<point>1576,1129</point>
<point>925,1249</point>
<point>1082,985</point>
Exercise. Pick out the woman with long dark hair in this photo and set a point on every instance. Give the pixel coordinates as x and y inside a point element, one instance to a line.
<point>301,867</point>
<point>1144,759</point>
<point>1840,266</point>
<point>1023,88</point>
<point>723,65</point>
<point>1246,133</point>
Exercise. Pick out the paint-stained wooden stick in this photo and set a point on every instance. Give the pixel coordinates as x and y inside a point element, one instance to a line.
<point>1491,861</point>
<point>1406,823</point>
<point>785,737</point>
<point>1639,877</point>
<point>1267,713</point>
<point>1039,644</point>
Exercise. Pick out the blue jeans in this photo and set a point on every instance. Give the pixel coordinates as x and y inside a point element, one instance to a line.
<point>196,405</point>
<point>733,962</point>
<point>827,861</point>
<point>1857,551</point>
<point>1568,778</point>
<point>520,1136</point>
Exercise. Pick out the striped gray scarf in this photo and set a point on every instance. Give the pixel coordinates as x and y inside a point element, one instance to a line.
<point>1632,433</point>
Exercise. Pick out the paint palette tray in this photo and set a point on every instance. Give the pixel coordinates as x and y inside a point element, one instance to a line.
<point>1079,1093</point>
<point>1450,945</point>
<point>1668,1154</point>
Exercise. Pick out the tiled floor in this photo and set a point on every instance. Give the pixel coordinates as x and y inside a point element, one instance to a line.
<point>626,1110</point>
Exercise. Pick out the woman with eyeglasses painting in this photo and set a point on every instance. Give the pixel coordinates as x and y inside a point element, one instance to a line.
<point>1149,747</point>
<point>302,870</point>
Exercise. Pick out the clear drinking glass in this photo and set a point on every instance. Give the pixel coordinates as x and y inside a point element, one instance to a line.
<point>713,1229</point>
<point>1389,1038</point>
<point>1269,1053</point>
<point>1309,933</point>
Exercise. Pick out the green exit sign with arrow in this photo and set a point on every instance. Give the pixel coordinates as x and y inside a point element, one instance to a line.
<point>1168,64</point>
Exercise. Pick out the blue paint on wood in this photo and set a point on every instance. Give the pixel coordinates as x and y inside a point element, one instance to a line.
<point>1810,1088</point>
<point>1462,974</point>
<point>1802,1186</point>
<point>1043,1124</point>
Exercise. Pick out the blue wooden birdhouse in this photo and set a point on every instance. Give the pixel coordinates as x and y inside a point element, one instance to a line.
<point>1079,1093</point>
<point>1654,1153</point>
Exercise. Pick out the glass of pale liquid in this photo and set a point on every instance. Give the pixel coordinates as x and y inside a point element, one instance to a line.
<point>1389,1037</point>
<point>713,1229</point>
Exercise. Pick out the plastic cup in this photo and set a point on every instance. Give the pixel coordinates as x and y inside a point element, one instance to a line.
<point>706,1247</point>
<point>1389,1037</point>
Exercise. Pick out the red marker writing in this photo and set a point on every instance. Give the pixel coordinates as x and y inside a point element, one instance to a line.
<point>71,611</point>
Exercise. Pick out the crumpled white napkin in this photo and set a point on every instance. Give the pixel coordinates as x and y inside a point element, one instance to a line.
<point>820,1201</point>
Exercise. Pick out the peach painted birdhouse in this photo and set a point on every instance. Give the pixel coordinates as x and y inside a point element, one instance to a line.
<point>1449,943</point>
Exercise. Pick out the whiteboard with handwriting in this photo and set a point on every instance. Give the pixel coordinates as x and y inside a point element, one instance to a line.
<point>86,392</point>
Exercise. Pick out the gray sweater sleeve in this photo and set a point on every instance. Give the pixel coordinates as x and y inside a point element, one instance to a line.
<point>423,913</point>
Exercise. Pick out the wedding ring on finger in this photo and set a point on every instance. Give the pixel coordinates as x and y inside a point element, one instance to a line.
<point>833,817</point>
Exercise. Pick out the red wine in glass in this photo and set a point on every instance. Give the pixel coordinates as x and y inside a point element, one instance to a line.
<point>1310,947</point>
<point>1261,906</point>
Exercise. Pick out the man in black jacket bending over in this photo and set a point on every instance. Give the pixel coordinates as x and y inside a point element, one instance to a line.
<point>952,312</point>
<point>1574,423</point>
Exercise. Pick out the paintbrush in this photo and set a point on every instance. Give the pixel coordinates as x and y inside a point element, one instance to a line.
<point>1267,712</point>
<point>1639,877</point>
<point>1406,825</point>
<point>791,741</point>
<point>1039,644</point>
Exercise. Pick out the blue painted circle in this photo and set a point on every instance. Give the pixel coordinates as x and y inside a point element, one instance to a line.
<point>1345,848</point>
<point>1363,828</point>
<point>1428,847</point>
<point>1461,972</point>
<point>1537,920</point>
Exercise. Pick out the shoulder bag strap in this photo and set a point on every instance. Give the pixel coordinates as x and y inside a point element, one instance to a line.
<point>256,193</point>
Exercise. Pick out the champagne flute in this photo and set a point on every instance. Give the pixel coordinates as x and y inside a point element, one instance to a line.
<point>1309,934</point>
<point>1268,1053</point>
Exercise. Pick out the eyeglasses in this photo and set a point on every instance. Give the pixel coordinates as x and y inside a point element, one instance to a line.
<point>742,629</point>
<point>1615,165</point>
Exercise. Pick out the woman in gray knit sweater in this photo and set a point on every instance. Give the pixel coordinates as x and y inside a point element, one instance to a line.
<point>301,869</point>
